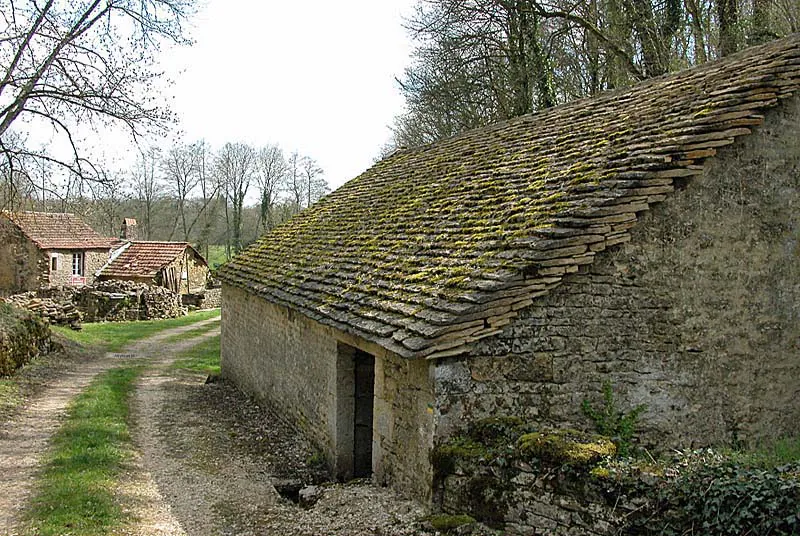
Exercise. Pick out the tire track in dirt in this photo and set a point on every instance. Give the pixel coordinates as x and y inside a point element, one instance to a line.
<point>24,440</point>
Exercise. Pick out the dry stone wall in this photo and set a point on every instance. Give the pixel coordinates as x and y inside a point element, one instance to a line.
<point>108,301</point>
<point>57,310</point>
<point>23,336</point>
<point>23,266</point>
<point>697,317</point>
<point>126,300</point>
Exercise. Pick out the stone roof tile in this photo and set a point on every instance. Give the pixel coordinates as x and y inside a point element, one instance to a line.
<point>434,248</point>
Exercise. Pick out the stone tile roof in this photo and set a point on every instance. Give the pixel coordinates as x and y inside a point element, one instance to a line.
<point>144,259</point>
<point>58,230</point>
<point>434,248</point>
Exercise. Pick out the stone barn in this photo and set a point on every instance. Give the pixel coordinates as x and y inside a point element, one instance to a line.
<point>647,238</point>
<point>48,249</point>
<point>174,265</point>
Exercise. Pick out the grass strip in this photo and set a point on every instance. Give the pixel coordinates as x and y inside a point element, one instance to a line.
<point>202,358</point>
<point>113,336</point>
<point>75,495</point>
<point>194,332</point>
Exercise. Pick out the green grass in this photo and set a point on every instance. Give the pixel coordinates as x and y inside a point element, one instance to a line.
<point>76,490</point>
<point>216,257</point>
<point>769,454</point>
<point>10,396</point>
<point>113,336</point>
<point>195,332</point>
<point>202,358</point>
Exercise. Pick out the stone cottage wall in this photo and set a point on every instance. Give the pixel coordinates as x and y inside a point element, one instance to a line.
<point>23,266</point>
<point>291,361</point>
<point>698,317</point>
<point>403,425</point>
<point>94,259</point>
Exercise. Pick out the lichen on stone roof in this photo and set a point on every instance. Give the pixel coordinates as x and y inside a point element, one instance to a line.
<point>434,248</point>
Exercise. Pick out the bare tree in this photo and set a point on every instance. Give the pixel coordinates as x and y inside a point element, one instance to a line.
<point>294,182</point>
<point>481,61</point>
<point>147,187</point>
<point>70,62</point>
<point>181,169</point>
<point>271,173</point>
<point>209,188</point>
<point>108,198</point>
<point>235,166</point>
<point>314,184</point>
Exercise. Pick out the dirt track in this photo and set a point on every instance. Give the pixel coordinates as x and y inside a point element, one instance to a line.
<point>207,457</point>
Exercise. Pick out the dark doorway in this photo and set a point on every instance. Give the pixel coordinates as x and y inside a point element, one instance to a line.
<point>364,376</point>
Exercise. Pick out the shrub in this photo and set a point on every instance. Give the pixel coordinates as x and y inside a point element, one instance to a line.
<point>612,422</point>
<point>725,499</point>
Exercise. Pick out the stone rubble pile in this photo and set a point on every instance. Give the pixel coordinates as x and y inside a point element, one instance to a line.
<point>117,300</point>
<point>107,301</point>
<point>54,311</point>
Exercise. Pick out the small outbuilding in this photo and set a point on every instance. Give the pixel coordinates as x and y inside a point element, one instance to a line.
<point>174,265</point>
<point>48,249</point>
<point>648,239</point>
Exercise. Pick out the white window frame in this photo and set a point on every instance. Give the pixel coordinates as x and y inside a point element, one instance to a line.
<point>54,262</point>
<point>78,263</point>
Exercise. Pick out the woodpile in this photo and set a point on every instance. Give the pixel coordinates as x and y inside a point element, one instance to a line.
<point>55,312</point>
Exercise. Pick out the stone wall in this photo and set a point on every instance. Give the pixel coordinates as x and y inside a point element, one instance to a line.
<point>300,366</point>
<point>110,301</point>
<point>403,425</point>
<point>196,272</point>
<point>697,317</point>
<point>59,310</point>
<point>210,298</point>
<point>23,266</point>
<point>526,500</point>
<point>23,336</point>
<point>93,260</point>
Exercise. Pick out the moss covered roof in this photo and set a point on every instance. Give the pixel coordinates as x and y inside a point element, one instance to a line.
<point>436,247</point>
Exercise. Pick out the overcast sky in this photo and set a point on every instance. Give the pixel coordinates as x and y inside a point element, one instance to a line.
<point>316,76</point>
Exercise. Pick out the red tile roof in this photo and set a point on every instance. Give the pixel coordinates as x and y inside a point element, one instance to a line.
<point>58,230</point>
<point>145,259</point>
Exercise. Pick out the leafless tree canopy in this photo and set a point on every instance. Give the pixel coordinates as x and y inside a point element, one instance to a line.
<point>65,63</point>
<point>481,61</point>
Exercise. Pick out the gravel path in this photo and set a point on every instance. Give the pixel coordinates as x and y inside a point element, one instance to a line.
<point>24,439</point>
<point>214,455</point>
<point>208,458</point>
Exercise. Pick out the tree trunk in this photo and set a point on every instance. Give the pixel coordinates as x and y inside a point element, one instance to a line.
<point>728,18</point>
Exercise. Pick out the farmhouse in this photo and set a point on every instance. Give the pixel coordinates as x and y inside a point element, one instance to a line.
<point>43,249</point>
<point>648,238</point>
<point>174,265</point>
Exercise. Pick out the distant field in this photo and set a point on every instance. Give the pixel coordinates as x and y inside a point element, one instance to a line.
<point>216,257</point>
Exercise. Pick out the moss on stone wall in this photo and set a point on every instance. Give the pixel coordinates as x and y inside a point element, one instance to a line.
<point>23,336</point>
<point>566,447</point>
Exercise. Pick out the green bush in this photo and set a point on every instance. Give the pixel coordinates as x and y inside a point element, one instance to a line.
<point>725,499</point>
<point>23,336</point>
<point>612,422</point>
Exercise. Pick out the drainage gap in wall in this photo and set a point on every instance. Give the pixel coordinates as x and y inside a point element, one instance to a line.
<point>289,489</point>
